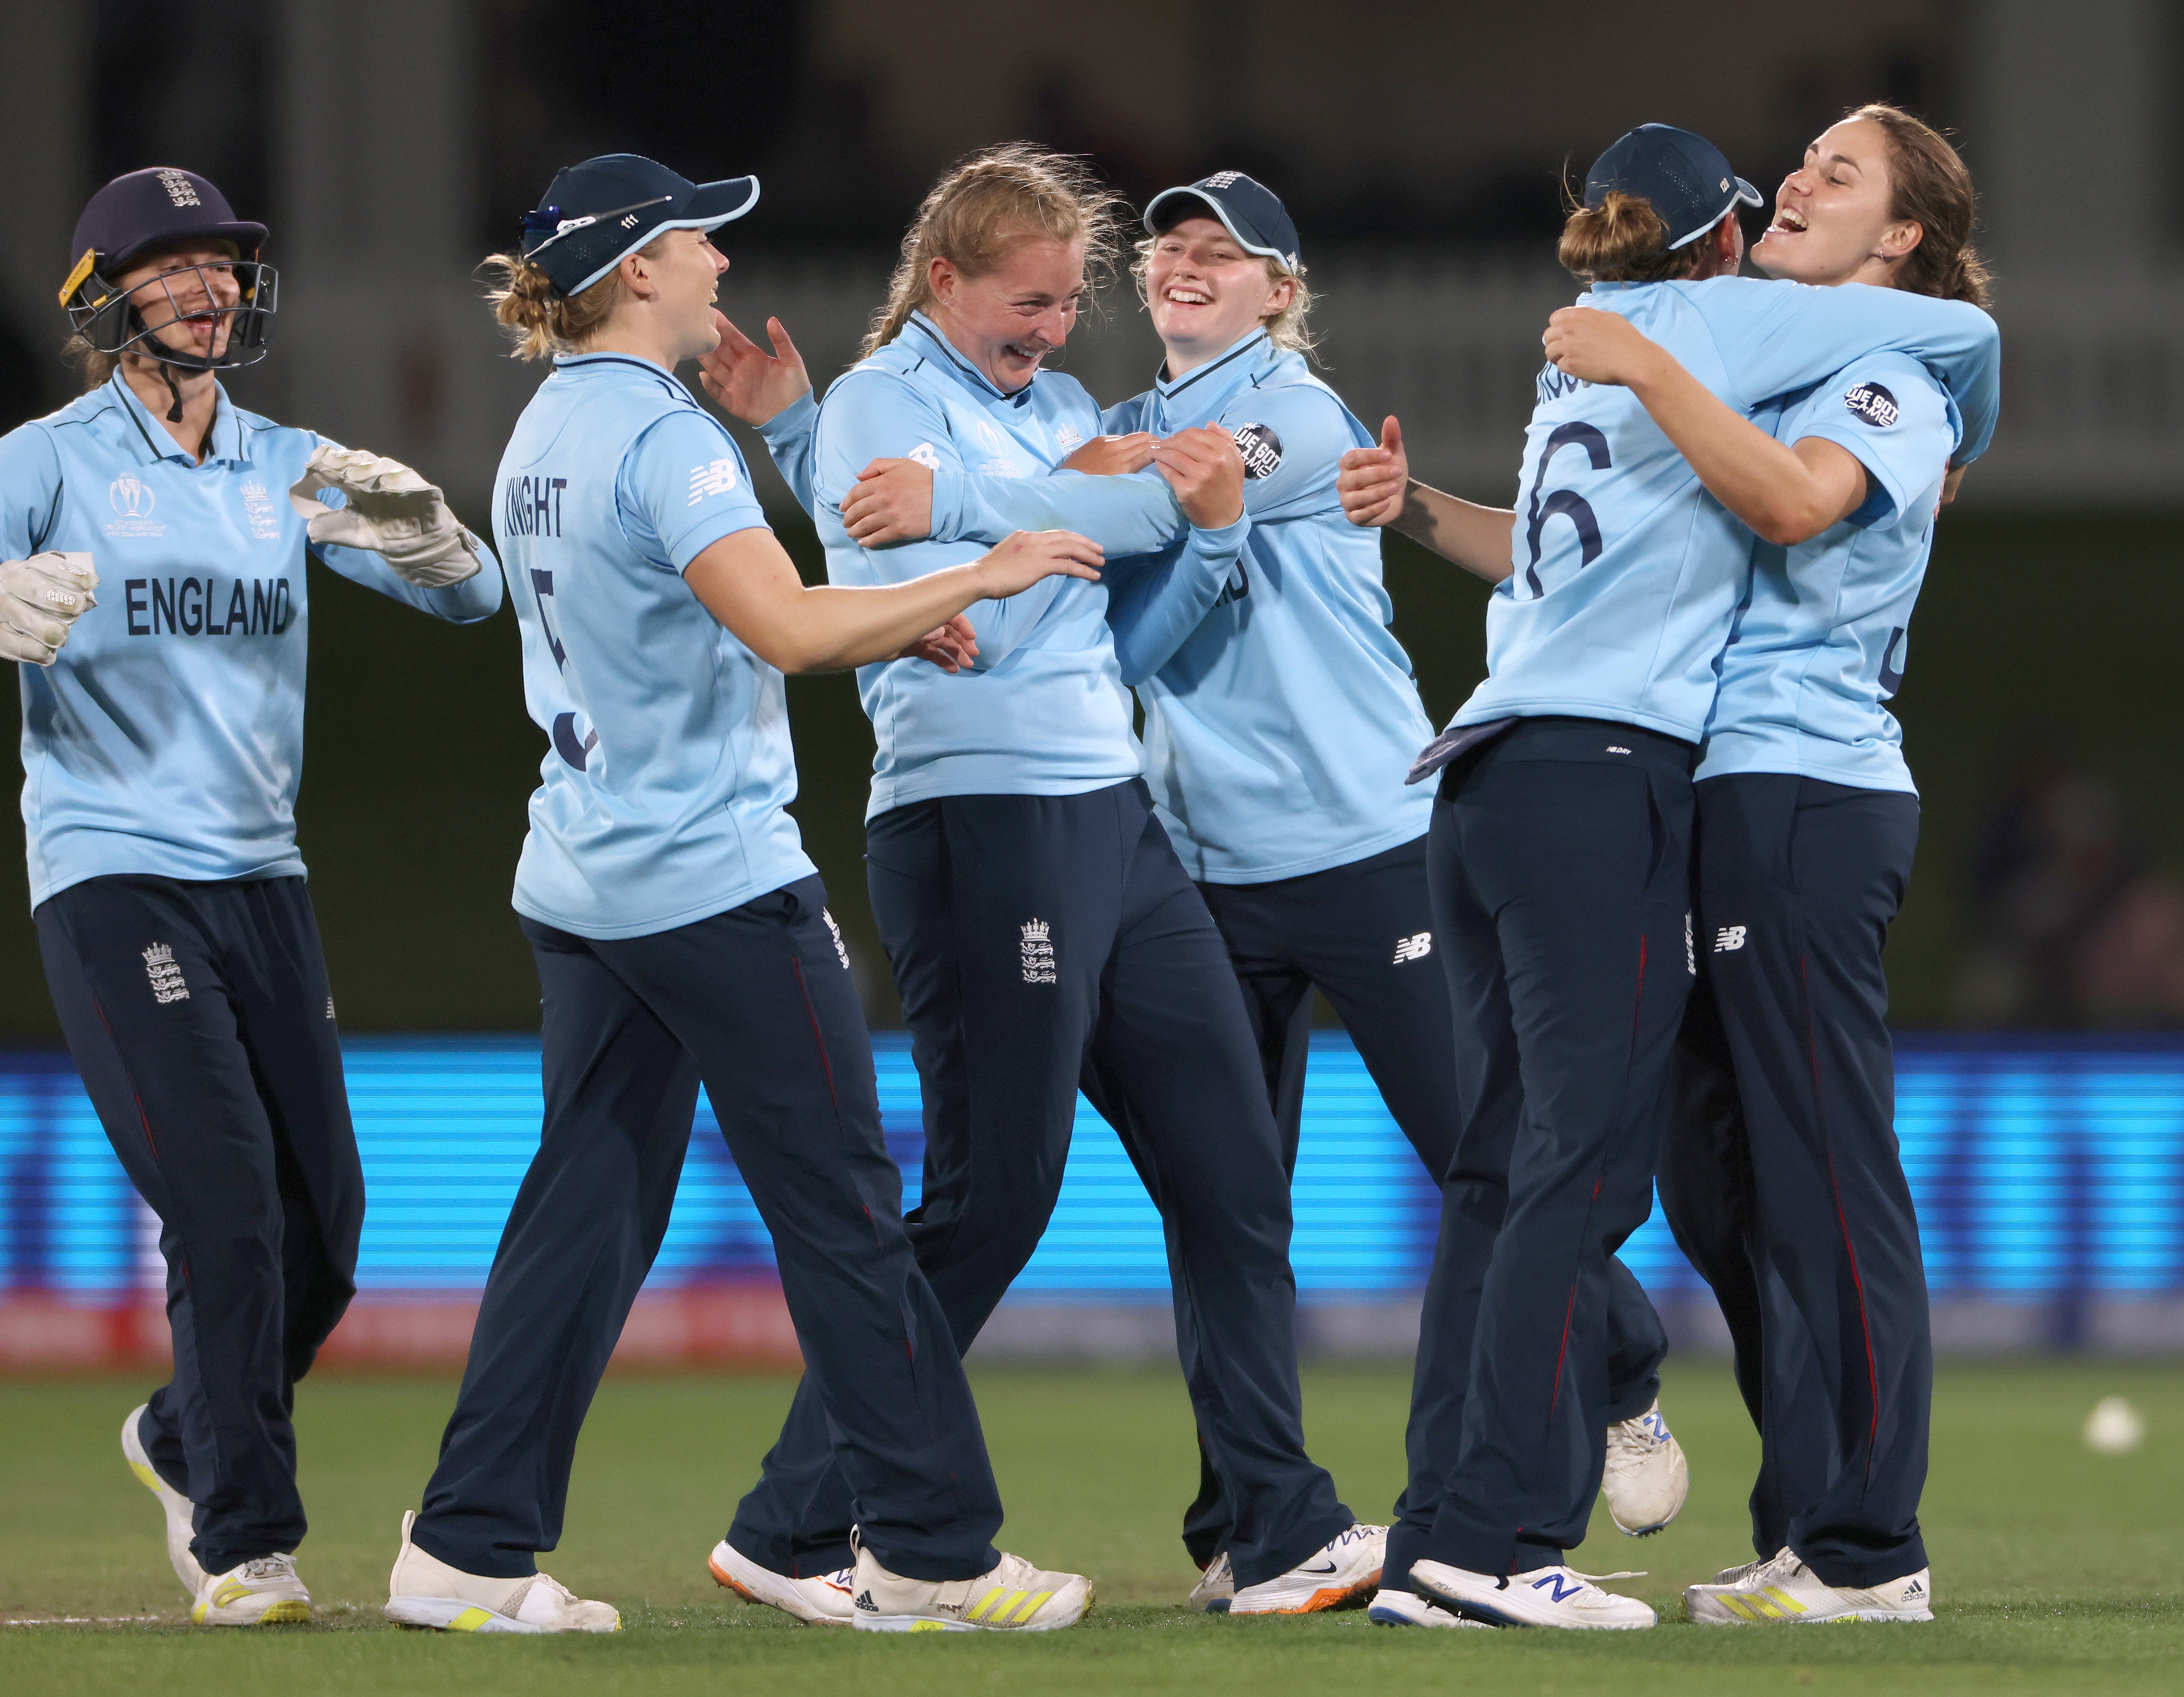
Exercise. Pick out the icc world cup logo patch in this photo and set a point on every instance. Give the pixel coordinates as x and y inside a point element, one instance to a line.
<point>130,498</point>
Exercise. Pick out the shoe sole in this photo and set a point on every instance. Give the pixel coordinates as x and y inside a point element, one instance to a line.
<point>1333,1597</point>
<point>452,1615</point>
<point>921,1623</point>
<point>1875,1616</point>
<point>289,1612</point>
<point>1381,1615</point>
<point>797,1609</point>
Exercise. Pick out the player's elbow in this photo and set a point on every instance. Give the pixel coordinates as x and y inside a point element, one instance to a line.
<point>1792,518</point>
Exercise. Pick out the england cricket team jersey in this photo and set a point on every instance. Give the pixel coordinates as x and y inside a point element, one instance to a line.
<point>167,737</point>
<point>1822,640</point>
<point>1043,711</point>
<point>668,768</point>
<point>1281,714</point>
<point>1626,571</point>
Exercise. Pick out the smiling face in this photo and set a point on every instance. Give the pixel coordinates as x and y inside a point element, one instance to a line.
<point>182,295</point>
<point>1011,318</point>
<point>1831,214</point>
<point>1206,292</point>
<point>677,283</point>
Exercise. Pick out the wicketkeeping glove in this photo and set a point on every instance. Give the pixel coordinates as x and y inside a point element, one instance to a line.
<point>40,598</point>
<point>392,511</point>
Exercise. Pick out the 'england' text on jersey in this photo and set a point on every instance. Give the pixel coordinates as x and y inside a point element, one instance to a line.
<point>531,506</point>
<point>160,605</point>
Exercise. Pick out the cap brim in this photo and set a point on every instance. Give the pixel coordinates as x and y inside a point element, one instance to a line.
<point>1219,211</point>
<point>1749,195</point>
<point>708,207</point>
<point>247,238</point>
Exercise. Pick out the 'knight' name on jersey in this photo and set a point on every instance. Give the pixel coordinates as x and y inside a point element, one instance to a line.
<point>531,506</point>
<point>161,606</point>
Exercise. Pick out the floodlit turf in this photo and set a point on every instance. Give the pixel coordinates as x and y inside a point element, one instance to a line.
<point>2055,1570</point>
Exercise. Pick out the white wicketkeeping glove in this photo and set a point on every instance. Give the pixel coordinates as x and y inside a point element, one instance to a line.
<point>40,598</point>
<point>392,511</point>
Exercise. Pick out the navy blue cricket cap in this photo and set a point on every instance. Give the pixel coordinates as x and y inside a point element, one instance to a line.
<point>1250,211</point>
<point>595,215</point>
<point>1684,177</point>
<point>154,208</point>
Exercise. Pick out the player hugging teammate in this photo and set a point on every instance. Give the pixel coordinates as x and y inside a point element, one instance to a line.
<point>1061,909</point>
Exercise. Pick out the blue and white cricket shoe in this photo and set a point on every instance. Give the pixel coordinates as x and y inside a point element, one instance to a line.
<point>1341,1573</point>
<point>1545,1597</point>
<point>1647,1478</point>
<point>1408,1609</point>
<point>1785,1592</point>
<point>821,1601</point>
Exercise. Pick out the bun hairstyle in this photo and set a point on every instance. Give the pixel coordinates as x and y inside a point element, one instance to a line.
<point>1929,185</point>
<point>542,323</point>
<point>977,213</point>
<point>1623,239</point>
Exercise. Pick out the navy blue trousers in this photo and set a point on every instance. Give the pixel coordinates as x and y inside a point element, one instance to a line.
<point>1560,862</point>
<point>757,1003</point>
<point>1041,942</point>
<point>1362,934</point>
<point>1780,1174</point>
<point>198,1016</point>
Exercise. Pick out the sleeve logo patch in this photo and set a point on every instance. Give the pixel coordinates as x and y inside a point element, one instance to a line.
<point>1870,404</point>
<point>1260,447</point>
<point>926,454</point>
<point>709,481</point>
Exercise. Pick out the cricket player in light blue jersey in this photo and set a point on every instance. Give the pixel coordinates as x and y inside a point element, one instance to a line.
<point>162,739</point>
<point>1280,715</point>
<point>682,935</point>
<point>1041,927</point>
<point>1779,1173</point>
<point>1561,840</point>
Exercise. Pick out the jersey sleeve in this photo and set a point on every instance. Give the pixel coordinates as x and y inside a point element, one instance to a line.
<point>1124,418</point>
<point>1292,439</point>
<point>1131,514</point>
<point>1892,415</point>
<point>683,486</point>
<point>1153,610</point>
<point>1775,338</point>
<point>871,414</point>
<point>788,435</point>
<point>29,492</point>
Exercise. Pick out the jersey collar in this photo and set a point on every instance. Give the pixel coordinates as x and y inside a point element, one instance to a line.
<point>149,435</point>
<point>941,351</point>
<point>1204,387</point>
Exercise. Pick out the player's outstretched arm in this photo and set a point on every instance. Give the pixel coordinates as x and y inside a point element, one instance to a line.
<point>1376,489</point>
<point>746,581</point>
<point>1788,494</point>
<point>403,539</point>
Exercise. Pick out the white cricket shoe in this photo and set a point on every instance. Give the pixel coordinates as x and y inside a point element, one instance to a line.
<point>1647,1478</point>
<point>1409,1609</point>
<point>1785,1589</point>
<point>1014,1597</point>
<point>1343,1570</point>
<point>822,1601</point>
<point>262,1592</point>
<point>1544,1597</point>
<point>423,1591</point>
<point>1216,1587</point>
<point>178,1508</point>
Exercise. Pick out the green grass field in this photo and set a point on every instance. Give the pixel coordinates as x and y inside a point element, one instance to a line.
<point>2056,1570</point>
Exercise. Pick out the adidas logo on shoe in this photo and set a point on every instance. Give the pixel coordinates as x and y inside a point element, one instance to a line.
<point>1914,1589</point>
<point>865,1602</point>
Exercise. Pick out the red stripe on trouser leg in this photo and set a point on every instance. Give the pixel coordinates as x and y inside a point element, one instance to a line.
<point>1842,1219</point>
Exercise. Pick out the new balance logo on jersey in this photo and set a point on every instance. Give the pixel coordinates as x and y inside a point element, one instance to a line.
<point>1691,953</point>
<point>1037,948</point>
<point>926,454</point>
<point>841,947</point>
<point>709,481</point>
<point>166,977</point>
<point>1415,947</point>
<point>329,1007</point>
<point>1729,939</point>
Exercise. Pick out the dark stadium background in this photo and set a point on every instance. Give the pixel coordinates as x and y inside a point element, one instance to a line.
<point>391,146</point>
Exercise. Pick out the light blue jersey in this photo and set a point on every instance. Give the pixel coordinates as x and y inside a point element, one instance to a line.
<point>1281,713</point>
<point>1626,571</point>
<point>1044,710</point>
<point>167,737</point>
<point>1821,641</point>
<point>662,795</point>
